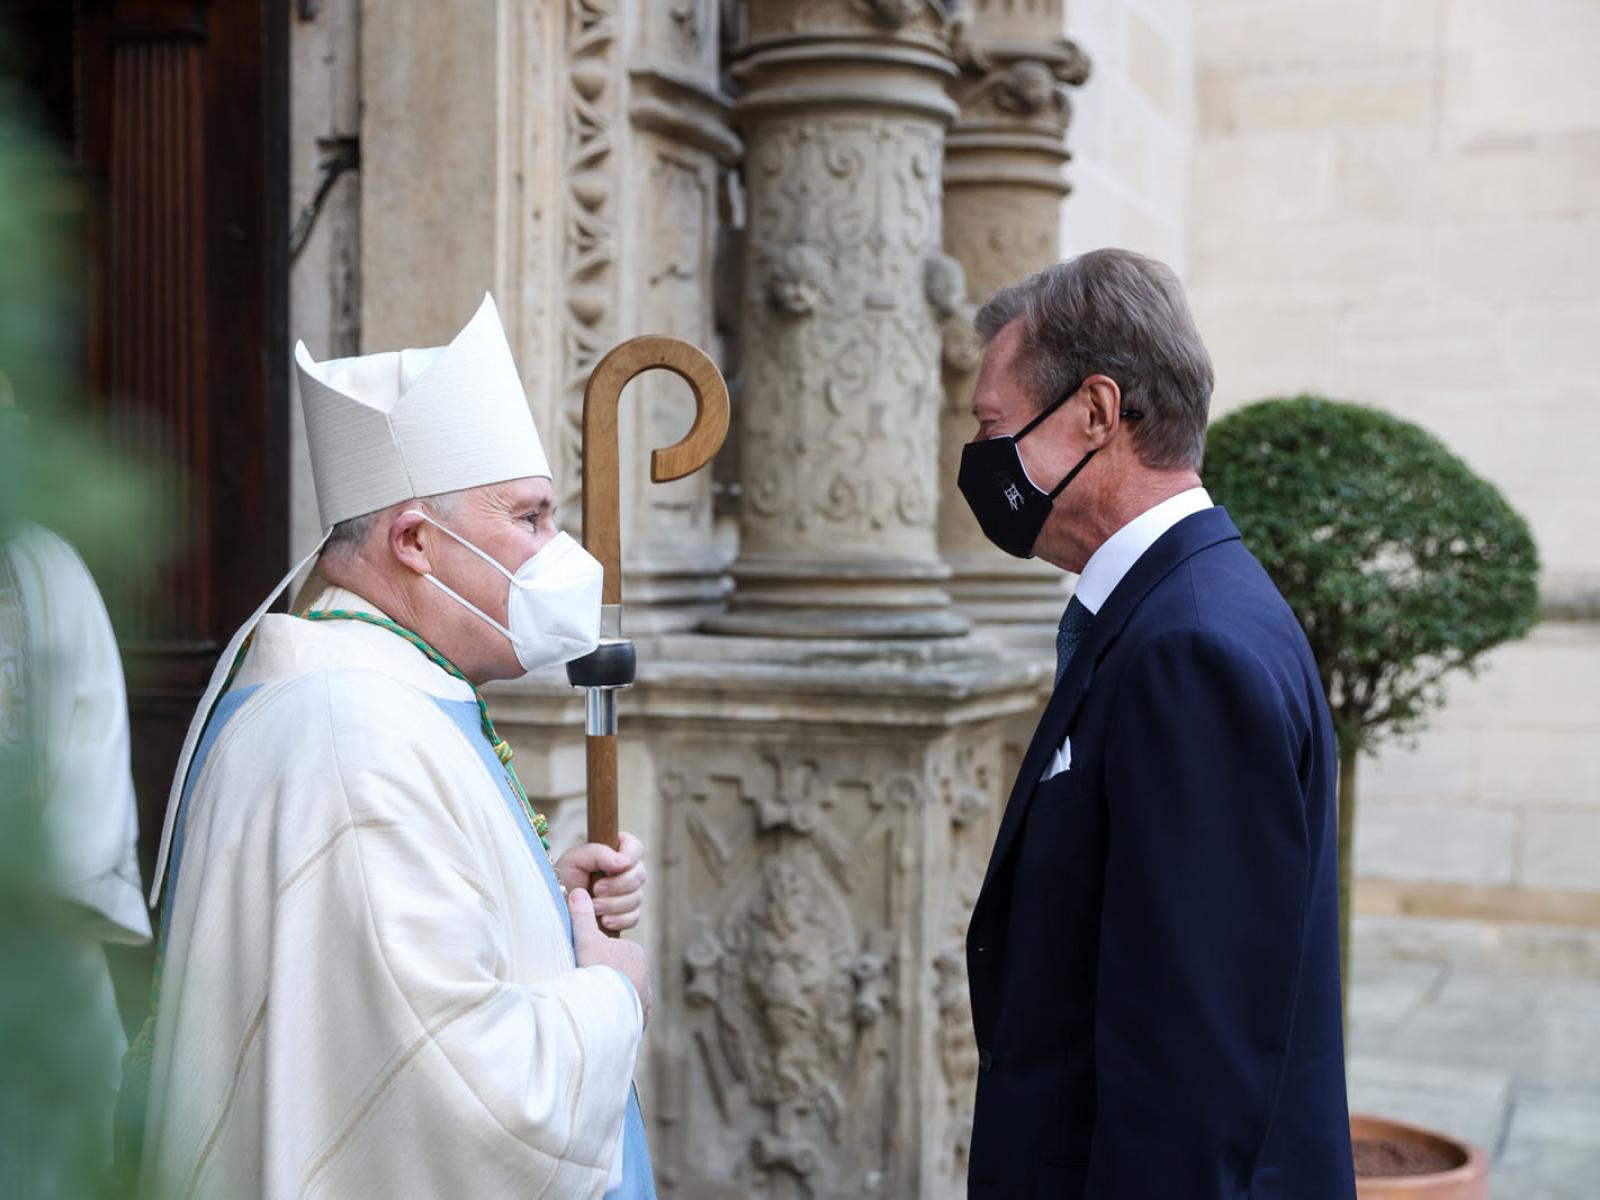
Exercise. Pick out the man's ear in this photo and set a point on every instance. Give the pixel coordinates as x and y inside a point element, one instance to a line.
<point>410,540</point>
<point>1103,408</point>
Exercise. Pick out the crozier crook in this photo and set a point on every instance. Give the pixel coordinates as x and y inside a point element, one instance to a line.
<point>611,667</point>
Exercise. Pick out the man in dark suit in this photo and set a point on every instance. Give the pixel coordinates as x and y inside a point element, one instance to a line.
<point>1154,957</point>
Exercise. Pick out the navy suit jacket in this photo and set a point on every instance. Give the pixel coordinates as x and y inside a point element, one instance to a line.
<point>1154,957</point>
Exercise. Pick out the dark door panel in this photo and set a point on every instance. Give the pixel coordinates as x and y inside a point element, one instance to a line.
<point>181,124</point>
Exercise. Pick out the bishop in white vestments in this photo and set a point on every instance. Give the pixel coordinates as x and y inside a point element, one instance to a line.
<point>374,982</point>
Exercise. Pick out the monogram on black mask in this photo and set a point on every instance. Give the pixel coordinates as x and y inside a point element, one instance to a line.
<point>1010,509</point>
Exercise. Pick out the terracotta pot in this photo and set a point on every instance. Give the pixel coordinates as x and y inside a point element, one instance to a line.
<point>1467,1179</point>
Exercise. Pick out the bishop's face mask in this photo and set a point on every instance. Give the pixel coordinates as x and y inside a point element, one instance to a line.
<point>1010,509</point>
<point>554,602</point>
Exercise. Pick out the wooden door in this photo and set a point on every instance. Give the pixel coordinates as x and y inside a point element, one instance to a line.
<point>181,133</point>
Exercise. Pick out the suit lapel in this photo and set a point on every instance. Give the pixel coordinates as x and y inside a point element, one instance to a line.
<point>1180,543</point>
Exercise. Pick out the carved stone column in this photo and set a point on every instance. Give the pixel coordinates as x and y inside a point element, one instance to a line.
<point>1003,187</point>
<point>844,112</point>
<point>674,574</point>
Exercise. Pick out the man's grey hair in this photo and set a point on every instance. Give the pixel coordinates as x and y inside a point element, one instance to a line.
<point>348,537</point>
<point>1119,314</point>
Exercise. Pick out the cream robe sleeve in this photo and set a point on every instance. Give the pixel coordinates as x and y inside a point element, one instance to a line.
<point>548,1062</point>
<point>425,1032</point>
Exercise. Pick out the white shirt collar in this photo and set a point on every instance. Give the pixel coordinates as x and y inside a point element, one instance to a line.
<point>1115,558</point>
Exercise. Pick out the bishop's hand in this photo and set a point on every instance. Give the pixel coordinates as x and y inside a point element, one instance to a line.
<point>595,949</point>
<point>614,878</point>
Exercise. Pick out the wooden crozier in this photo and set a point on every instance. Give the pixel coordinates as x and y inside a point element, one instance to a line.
<point>611,667</point>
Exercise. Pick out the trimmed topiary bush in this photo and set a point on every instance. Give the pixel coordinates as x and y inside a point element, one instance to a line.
<point>1401,564</point>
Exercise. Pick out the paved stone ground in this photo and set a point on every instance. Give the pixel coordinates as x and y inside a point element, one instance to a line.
<point>1491,1033</point>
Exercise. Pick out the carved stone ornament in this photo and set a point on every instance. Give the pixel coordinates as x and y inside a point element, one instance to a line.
<point>1029,88</point>
<point>1026,88</point>
<point>589,233</point>
<point>685,19</point>
<point>1004,76</point>
<point>803,921</point>
<point>893,14</point>
<point>966,785</point>
<point>945,283</point>
<point>797,280</point>
<point>791,999</point>
<point>962,350</point>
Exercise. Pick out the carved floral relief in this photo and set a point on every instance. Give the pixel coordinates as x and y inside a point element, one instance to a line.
<point>819,894</point>
<point>786,899</point>
<point>844,350</point>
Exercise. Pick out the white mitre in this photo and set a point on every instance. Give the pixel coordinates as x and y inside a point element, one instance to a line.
<point>390,427</point>
<point>407,423</point>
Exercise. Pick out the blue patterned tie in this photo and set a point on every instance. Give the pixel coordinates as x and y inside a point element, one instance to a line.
<point>1074,628</point>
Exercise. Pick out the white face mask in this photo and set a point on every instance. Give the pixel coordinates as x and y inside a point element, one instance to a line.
<point>553,605</point>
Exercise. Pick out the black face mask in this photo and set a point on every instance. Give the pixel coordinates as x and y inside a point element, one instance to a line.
<point>1010,509</point>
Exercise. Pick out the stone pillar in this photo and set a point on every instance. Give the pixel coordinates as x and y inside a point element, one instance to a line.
<point>843,112</point>
<point>825,818</point>
<point>1003,186</point>
<point>674,574</point>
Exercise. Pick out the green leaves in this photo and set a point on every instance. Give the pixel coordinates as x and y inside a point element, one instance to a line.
<point>1400,563</point>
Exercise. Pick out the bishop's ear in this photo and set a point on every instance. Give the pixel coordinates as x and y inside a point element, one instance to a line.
<point>410,541</point>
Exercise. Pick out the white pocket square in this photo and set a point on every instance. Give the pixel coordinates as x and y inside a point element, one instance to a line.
<point>1060,761</point>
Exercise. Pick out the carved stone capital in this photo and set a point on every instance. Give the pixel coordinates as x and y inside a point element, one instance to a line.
<point>1016,69</point>
<point>929,21</point>
<point>896,14</point>
<point>680,105</point>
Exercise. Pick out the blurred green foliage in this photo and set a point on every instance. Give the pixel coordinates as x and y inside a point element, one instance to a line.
<point>61,470</point>
<point>1402,565</point>
<point>57,468</point>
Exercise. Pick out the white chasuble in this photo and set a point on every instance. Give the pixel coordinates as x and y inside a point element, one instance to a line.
<point>367,987</point>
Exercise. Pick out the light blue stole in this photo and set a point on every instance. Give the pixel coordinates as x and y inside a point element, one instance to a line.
<point>222,712</point>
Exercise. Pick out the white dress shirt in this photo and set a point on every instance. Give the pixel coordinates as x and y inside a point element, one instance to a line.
<point>1115,558</point>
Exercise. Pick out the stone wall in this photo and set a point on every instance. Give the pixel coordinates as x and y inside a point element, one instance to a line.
<point>1131,128</point>
<point>1399,204</point>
